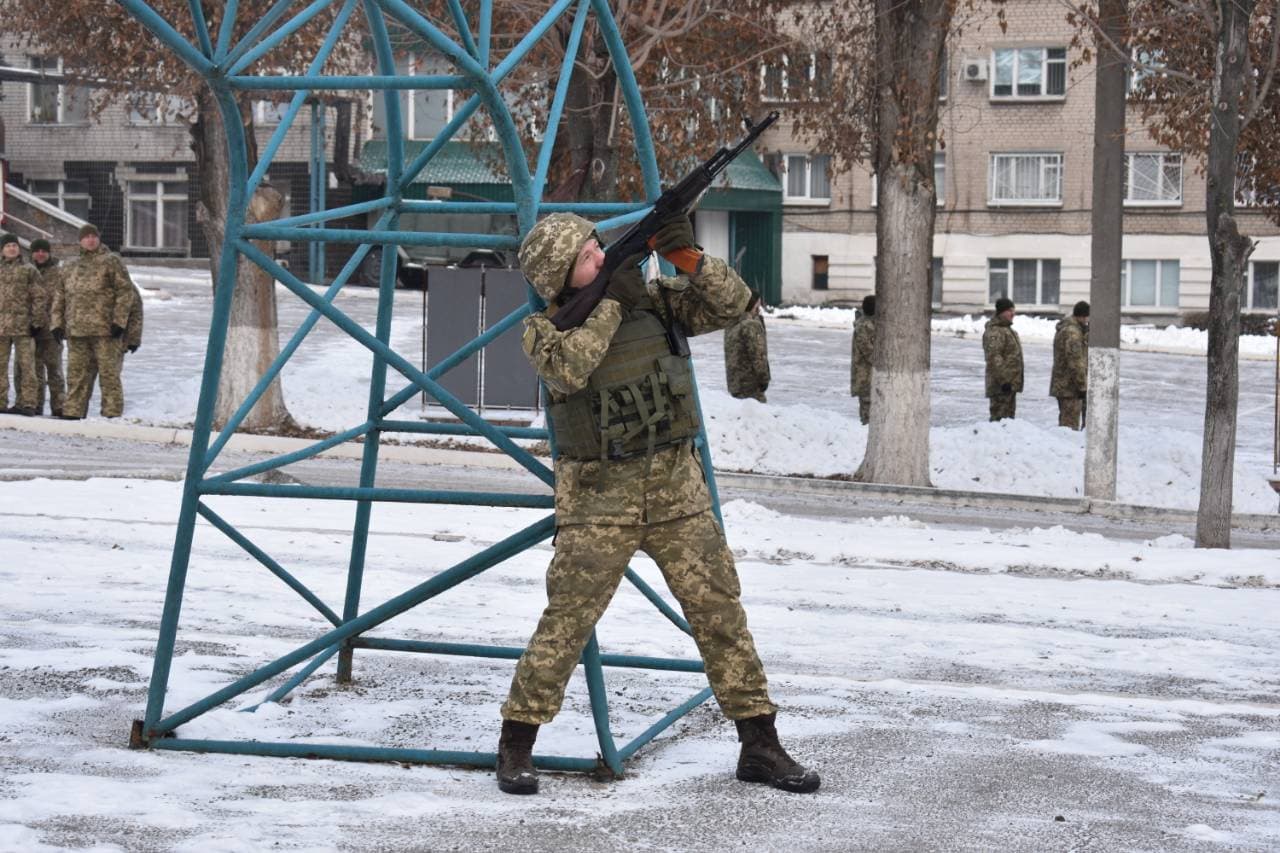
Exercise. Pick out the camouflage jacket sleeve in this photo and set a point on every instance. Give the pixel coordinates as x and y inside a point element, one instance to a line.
<point>39,307</point>
<point>124,290</point>
<point>710,299</point>
<point>57,306</point>
<point>759,348</point>
<point>133,329</point>
<point>1078,360</point>
<point>565,360</point>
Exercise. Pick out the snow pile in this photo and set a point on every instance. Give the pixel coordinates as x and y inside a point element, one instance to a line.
<point>1159,466</point>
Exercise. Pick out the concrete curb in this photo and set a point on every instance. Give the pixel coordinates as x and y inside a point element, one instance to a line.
<point>836,489</point>
<point>995,500</point>
<point>248,443</point>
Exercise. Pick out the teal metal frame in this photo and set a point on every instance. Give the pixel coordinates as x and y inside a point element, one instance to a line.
<point>223,61</point>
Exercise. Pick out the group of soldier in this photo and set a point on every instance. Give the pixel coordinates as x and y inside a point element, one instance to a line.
<point>89,302</point>
<point>1003,351</point>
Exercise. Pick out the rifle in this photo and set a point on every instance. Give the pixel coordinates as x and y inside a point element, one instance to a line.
<point>638,238</point>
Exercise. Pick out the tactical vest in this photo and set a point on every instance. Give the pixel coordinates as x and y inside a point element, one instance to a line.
<point>638,400</point>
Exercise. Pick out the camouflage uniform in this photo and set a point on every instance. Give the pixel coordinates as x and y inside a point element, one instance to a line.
<point>746,357</point>
<point>48,348</point>
<point>1069,382</point>
<point>864,342</point>
<point>21,310</point>
<point>606,511</point>
<point>1003,350</point>
<point>96,294</point>
<point>132,330</point>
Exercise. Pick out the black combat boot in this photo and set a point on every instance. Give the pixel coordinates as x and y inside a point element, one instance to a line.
<point>764,760</point>
<point>515,758</point>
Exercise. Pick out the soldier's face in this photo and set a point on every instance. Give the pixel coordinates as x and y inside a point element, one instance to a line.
<point>89,242</point>
<point>587,266</point>
<point>11,250</point>
<point>40,256</point>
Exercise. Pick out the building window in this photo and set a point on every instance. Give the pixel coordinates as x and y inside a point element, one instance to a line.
<point>55,103</point>
<point>423,112</point>
<point>935,274</point>
<point>1152,179</point>
<point>1147,284</point>
<point>806,178</point>
<point>1027,179</point>
<point>1026,282</point>
<point>168,111</point>
<point>802,77</point>
<point>1143,65</point>
<point>1261,288</point>
<point>939,180</point>
<point>269,113</point>
<point>70,196</point>
<point>1029,72</point>
<point>157,214</point>
<point>940,176</point>
<point>820,267</point>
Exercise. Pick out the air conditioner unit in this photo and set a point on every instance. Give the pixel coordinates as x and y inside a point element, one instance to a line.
<point>975,69</point>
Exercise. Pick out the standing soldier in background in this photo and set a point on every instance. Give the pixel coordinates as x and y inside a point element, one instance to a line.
<point>23,316</point>
<point>864,344</point>
<point>746,354</point>
<point>1070,380</point>
<point>92,310</point>
<point>48,348</point>
<point>633,483</point>
<point>1003,350</point>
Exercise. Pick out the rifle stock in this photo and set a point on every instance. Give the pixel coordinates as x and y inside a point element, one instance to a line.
<point>638,239</point>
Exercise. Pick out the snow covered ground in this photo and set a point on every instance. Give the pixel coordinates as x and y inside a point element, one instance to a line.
<point>809,426</point>
<point>958,687</point>
<point>1025,689</point>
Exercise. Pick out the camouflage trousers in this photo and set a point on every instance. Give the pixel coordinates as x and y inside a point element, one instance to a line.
<point>49,373</point>
<point>588,565</point>
<point>90,358</point>
<point>1069,411</point>
<point>1003,406</point>
<point>864,409</point>
<point>24,373</point>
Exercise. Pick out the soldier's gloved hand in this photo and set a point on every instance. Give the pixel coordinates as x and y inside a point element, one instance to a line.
<point>676,233</point>
<point>1006,388</point>
<point>35,331</point>
<point>117,331</point>
<point>134,348</point>
<point>58,335</point>
<point>626,285</point>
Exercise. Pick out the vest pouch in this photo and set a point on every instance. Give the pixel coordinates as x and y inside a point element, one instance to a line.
<point>640,398</point>
<point>679,376</point>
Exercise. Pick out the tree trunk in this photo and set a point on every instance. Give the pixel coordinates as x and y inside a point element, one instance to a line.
<point>910,39</point>
<point>252,334</point>
<point>1103,418</point>
<point>1229,251</point>
<point>588,128</point>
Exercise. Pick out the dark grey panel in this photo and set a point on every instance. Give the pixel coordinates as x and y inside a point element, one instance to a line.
<point>453,319</point>
<point>509,379</point>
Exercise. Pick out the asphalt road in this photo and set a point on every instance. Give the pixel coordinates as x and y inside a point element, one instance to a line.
<point>30,455</point>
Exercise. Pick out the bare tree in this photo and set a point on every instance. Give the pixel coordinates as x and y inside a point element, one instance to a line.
<point>1206,86</point>
<point>127,65</point>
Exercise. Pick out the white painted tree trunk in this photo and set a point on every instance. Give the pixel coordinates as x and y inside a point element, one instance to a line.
<point>252,335</point>
<point>898,440</point>
<point>1229,252</point>
<point>1103,423</point>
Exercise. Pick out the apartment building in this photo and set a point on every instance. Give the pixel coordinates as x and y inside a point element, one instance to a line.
<point>1014,193</point>
<point>130,173</point>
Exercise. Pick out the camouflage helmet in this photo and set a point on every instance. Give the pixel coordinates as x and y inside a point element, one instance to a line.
<point>550,249</point>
